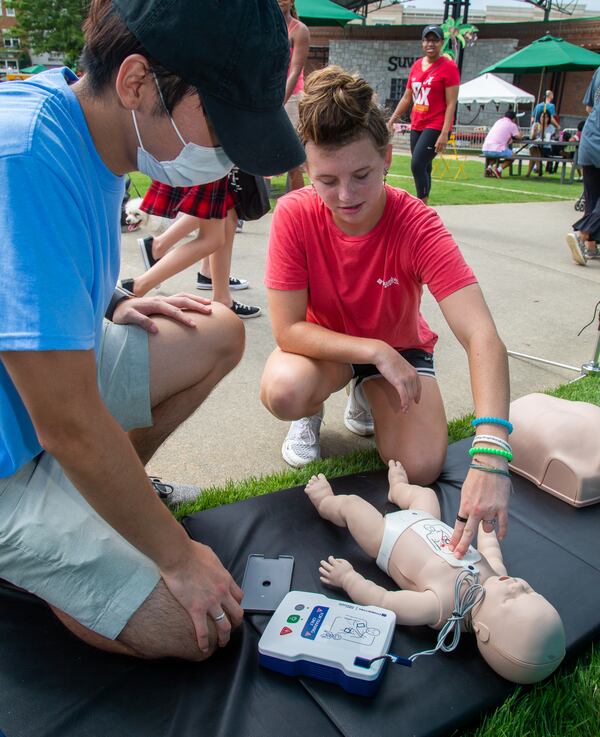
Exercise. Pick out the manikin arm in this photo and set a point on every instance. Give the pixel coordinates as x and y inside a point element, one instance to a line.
<point>410,607</point>
<point>488,546</point>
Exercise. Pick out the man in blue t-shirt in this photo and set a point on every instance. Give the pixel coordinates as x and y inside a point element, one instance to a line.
<point>85,401</point>
<point>547,106</point>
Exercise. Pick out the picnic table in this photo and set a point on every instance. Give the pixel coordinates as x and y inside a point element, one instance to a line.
<point>521,153</point>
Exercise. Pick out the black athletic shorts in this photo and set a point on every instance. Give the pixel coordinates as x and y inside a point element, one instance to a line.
<point>421,360</point>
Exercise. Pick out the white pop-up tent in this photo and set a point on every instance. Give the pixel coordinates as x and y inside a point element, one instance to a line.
<point>485,95</point>
<point>490,88</point>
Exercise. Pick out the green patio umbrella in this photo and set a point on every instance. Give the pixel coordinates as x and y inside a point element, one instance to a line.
<point>36,69</point>
<point>324,13</point>
<point>548,52</point>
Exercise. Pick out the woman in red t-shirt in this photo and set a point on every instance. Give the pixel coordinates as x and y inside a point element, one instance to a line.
<point>432,90</point>
<point>346,266</point>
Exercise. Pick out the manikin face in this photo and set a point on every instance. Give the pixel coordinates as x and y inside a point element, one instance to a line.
<point>349,180</point>
<point>519,633</point>
<point>432,46</point>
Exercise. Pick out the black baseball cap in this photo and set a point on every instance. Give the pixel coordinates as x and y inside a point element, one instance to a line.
<point>433,29</point>
<point>236,53</point>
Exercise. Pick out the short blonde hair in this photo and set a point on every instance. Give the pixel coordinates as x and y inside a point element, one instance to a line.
<point>338,108</point>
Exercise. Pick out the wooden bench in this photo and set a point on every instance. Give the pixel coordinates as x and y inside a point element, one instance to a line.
<point>520,158</point>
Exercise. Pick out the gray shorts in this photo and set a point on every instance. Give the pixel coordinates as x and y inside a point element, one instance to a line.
<point>52,543</point>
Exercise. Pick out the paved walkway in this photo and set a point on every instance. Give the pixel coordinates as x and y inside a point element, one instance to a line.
<point>538,296</point>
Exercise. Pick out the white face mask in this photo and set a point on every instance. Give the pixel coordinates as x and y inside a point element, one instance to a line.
<point>194,165</point>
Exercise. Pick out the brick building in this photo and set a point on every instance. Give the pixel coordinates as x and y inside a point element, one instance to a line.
<point>10,49</point>
<point>383,54</point>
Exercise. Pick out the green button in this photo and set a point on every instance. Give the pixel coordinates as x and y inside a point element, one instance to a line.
<point>293,618</point>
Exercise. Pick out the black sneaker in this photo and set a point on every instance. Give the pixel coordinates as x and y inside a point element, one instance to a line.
<point>245,311</point>
<point>205,282</point>
<point>145,245</point>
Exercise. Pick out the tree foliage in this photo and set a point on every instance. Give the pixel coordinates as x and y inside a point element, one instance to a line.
<point>51,26</point>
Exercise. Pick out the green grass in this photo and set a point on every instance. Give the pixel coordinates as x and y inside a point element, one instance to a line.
<point>568,704</point>
<point>472,189</point>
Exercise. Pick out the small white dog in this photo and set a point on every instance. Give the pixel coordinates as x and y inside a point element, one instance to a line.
<point>136,218</point>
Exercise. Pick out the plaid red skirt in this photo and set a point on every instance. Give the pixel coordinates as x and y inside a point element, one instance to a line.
<point>204,201</point>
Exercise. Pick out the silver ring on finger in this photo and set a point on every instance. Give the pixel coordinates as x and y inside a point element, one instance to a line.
<point>491,522</point>
<point>219,617</point>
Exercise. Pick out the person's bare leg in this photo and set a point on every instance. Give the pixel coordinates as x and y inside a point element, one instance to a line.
<point>363,521</point>
<point>160,628</point>
<point>296,178</point>
<point>488,546</point>
<point>209,239</point>
<point>220,262</point>
<point>294,386</point>
<point>417,438</point>
<point>204,267</point>
<point>410,496</point>
<point>181,227</point>
<point>185,365</point>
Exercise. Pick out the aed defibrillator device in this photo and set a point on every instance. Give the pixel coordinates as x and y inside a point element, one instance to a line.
<point>336,641</point>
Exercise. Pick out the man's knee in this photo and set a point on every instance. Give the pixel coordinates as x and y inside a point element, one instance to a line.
<point>160,628</point>
<point>229,337</point>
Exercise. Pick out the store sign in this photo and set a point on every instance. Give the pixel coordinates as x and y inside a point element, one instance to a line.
<point>400,62</point>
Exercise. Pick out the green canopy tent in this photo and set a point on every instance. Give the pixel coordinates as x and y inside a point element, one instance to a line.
<point>547,53</point>
<point>36,69</point>
<point>324,13</point>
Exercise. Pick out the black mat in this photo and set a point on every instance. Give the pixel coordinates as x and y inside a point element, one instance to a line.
<point>52,685</point>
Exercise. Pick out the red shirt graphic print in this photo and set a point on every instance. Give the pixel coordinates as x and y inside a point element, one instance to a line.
<point>429,92</point>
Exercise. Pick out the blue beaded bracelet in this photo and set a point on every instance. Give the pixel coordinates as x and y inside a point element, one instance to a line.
<point>492,421</point>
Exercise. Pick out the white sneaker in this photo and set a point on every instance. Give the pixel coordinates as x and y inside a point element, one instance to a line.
<point>577,247</point>
<point>357,415</point>
<point>302,443</point>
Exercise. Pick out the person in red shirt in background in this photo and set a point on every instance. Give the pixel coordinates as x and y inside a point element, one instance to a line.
<point>299,38</point>
<point>432,90</point>
<point>346,266</point>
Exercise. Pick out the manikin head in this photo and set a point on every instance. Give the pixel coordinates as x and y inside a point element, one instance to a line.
<point>519,633</point>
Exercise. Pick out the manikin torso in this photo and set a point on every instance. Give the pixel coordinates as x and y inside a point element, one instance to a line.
<point>418,562</point>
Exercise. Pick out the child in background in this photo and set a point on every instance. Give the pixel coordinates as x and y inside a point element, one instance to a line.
<point>210,208</point>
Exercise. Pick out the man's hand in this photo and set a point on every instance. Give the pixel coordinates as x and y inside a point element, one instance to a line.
<point>484,497</point>
<point>441,142</point>
<point>401,375</point>
<point>205,589</point>
<point>390,124</point>
<point>136,311</point>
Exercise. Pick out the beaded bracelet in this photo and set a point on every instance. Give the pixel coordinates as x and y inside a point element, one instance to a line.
<point>493,440</point>
<point>491,451</point>
<point>488,469</point>
<point>492,421</point>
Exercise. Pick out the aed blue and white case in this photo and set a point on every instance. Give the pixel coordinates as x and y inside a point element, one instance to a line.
<point>312,635</point>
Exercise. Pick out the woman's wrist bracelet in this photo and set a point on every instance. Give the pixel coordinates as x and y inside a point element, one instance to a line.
<point>491,451</point>
<point>493,440</point>
<point>492,421</point>
<point>489,469</point>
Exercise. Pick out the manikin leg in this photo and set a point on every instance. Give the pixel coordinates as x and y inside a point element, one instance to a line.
<point>363,521</point>
<point>410,496</point>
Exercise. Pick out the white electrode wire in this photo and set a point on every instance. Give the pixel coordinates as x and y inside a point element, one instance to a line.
<point>463,603</point>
